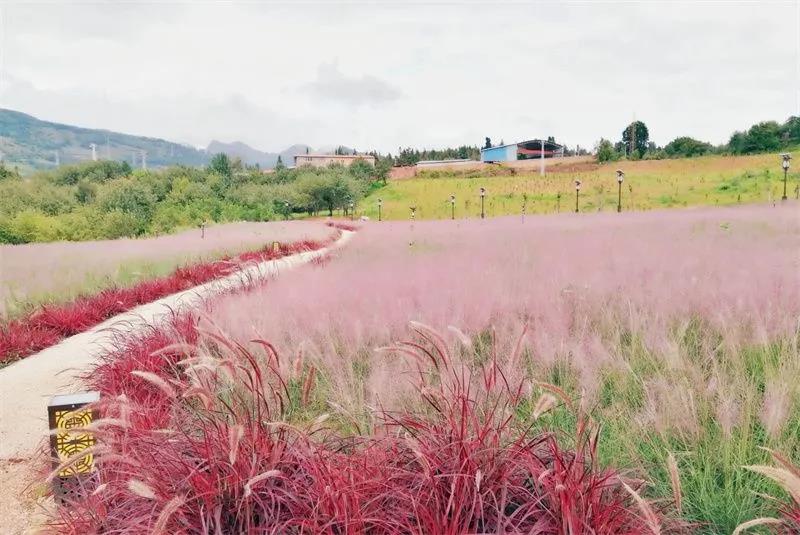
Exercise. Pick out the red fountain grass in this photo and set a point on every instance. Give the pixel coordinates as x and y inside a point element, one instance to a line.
<point>51,323</point>
<point>196,436</point>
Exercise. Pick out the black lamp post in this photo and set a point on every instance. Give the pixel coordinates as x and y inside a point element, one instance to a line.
<point>286,209</point>
<point>786,157</point>
<point>352,210</point>
<point>577,194</point>
<point>380,203</point>
<point>452,206</point>
<point>483,196</point>
<point>620,178</point>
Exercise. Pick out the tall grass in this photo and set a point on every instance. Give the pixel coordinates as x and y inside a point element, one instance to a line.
<point>53,273</point>
<point>200,435</point>
<point>677,330</point>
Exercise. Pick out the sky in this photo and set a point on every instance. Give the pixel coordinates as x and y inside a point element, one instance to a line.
<point>380,75</point>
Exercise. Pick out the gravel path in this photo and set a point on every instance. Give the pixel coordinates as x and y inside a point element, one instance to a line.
<point>27,385</point>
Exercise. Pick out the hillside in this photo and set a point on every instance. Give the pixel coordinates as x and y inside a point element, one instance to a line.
<point>32,143</point>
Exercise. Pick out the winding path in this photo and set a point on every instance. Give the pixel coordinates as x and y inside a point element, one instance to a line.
<point>27,385</point>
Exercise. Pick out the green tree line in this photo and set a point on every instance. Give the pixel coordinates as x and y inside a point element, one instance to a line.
<point>634,143</point>
<point>107,199</point>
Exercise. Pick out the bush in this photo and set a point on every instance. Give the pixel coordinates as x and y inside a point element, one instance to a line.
<point>128,196</point>
<point>119,224</point>
<point>686,147</point>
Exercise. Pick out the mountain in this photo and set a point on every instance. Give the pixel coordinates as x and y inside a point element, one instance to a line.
<point>31,143</point>
<point>252,156</point>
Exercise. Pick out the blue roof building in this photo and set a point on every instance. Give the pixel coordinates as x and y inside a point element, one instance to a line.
<point>523,150</point>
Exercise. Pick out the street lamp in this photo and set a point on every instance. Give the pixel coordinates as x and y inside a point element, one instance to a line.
<point>286,209</point>
<point>413,212</point>
<point>577,194</point>
<point>452,206</point>
<point>620,178</point>
<point>483,196</point>
<point>352,210</point>
<point>786,157</point>
<point>524,205</point>
<point>380,203</point>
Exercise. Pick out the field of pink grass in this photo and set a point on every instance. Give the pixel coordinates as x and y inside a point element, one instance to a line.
<point>678,330</point>
<point>572,279</point>
<point>41,270</point>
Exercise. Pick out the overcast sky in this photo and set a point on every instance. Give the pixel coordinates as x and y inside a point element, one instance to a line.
<point>380,75</point>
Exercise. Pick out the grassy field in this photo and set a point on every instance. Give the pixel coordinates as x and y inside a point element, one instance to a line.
<point>34,274</point>
<point>399,378</point>
<point>707,180</point>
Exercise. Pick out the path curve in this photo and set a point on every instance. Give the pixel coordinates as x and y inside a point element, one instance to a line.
<point>27,385</point>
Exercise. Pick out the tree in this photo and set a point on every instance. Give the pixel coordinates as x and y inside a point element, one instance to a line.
<point>279,163</point>
<point>686,147</point>
<point>360,169</point>
<point>635,138</point>
<point>761,137</point>
<point>220,164</point>
<point>383,166</point>
<point>790,131</point>
<point>488,144</point>
<point>605,151</point>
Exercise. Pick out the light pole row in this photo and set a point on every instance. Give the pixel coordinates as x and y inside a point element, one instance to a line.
<point>620,179</point>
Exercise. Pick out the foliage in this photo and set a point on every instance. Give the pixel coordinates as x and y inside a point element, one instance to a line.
<point>686,147</point>
<point>106,199</point>
<point>409,156</point>
<point>634,139</point>
<point>8,174</point>
<point>762,137</point>
<point>605,151</point>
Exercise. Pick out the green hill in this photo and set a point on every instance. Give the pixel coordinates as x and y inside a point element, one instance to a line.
<point>30,143</point>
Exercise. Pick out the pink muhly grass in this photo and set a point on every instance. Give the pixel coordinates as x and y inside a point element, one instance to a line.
<point>51,323</point>
<point>580,284</point>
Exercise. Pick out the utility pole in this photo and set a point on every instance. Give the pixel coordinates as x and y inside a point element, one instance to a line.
<point>94,151</point>
<point>144,160</point>
<point>541,157</point>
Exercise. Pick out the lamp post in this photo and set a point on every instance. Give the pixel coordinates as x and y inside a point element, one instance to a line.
<point>380,203</point>
<point>286,209</point>
<point>620,178</point>
<point>352,210</point>
<point>577,194</point>
<point>413,216</point>
<point>452,207</point>
<point>483,196</point>
<point>786,157</point>
<point>524,205</point>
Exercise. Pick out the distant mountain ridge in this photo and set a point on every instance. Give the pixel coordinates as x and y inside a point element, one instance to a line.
<point>32,144</point>
<point>252,156</point>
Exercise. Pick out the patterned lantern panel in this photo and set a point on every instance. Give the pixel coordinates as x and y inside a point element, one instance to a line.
<point>69,417</point>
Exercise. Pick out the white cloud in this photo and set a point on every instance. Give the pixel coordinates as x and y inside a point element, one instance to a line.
<point>382,76</point>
